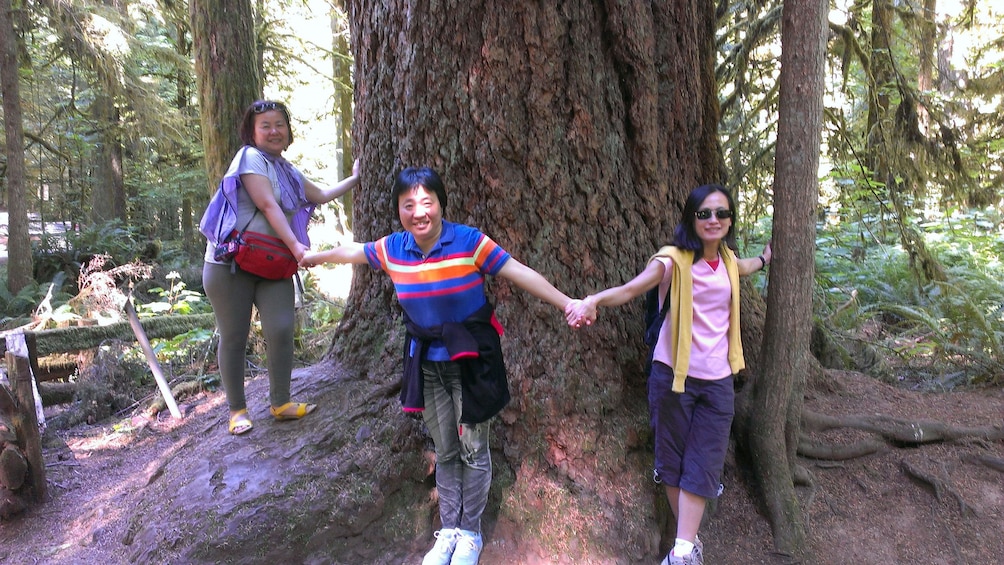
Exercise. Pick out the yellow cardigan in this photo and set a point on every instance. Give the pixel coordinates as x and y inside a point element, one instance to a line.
<point>681,311</point>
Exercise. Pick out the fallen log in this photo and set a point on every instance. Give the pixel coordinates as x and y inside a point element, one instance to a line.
<point>56,393</point>
<point>56,367</point>
<point>61,340</point>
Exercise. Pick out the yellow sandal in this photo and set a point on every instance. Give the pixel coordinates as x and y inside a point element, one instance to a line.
<point>292,410</point>
<point>240,423</point>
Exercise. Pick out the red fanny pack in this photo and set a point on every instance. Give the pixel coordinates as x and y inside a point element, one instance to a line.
<point>264,255</point>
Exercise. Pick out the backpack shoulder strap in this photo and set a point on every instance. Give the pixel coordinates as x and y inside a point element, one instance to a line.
<point>665,304</point>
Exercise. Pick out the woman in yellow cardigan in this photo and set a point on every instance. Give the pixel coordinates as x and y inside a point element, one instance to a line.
<point>690,391</point>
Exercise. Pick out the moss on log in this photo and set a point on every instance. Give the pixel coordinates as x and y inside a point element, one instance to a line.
<point>61,340</point>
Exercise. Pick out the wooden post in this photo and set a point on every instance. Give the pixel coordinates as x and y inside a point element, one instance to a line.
<point>151,359</point>
<point>26,423</point>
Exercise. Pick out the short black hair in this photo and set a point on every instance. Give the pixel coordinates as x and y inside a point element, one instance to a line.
<point>411,177</point>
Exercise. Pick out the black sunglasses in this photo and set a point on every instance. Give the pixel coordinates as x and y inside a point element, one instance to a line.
<point>721,214</point>
<point>261,107</point>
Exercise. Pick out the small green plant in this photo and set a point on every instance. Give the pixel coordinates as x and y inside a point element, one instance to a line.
<point>175,300</point>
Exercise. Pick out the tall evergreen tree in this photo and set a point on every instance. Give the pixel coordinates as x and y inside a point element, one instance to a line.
<point>19,260</point>
<point>227,76</point>
<point>572,135</point>
<point>775,411</point>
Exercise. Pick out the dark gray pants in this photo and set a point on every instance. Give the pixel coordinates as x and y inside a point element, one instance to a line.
<point>232,296</point>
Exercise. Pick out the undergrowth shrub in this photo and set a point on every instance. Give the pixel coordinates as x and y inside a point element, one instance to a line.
<point>936,334</point>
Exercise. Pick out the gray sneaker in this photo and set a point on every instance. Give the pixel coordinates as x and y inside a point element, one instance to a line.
<point>468,550</point>
<point>442,552</point>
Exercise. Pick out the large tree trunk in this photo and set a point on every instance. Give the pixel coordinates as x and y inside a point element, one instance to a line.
<point>572,136</point>
<point>19,262</point>
<point>227,76</point>
<point>776,402</point>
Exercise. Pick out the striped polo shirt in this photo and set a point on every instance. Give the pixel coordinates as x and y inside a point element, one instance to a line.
<point>447,285</point>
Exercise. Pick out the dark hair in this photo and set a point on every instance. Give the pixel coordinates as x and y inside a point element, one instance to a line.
<point>418,176</point>
<point>246,130</point>
<point>685,236</point>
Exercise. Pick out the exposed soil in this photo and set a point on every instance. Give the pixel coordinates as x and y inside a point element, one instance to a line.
<point>864,510</point>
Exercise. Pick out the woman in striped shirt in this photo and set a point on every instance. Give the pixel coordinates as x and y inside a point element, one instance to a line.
<point>454,373</point>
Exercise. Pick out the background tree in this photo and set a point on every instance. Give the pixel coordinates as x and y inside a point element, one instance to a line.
<point>341,63</point>
<point>19,264</point>
<point>227,74</point>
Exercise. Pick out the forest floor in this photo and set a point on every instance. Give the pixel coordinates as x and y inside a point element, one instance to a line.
<point>864,510</point>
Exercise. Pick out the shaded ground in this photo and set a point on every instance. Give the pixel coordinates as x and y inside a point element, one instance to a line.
<point>866,510</point>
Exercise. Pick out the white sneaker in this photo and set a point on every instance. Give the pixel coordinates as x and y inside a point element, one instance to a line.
<point>442,552</point>
<point>468,550</point>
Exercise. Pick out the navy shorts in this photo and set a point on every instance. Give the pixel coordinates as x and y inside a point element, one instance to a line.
<point>691,430</point>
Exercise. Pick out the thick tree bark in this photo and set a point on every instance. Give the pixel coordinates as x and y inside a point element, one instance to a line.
<point>570,134</point>
<point>227,76</point>
<point>777,393</point>
<point>19,260</point>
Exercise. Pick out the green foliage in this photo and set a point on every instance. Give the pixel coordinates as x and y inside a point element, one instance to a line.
<point>66,252</point>
<point>23,303</point>
<point>942,333</point>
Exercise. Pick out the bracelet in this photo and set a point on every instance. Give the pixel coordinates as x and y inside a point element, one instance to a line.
<point>763,262</point>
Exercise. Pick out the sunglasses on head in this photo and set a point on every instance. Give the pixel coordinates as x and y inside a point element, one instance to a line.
<point>260,107</point>
<point>721,214</point>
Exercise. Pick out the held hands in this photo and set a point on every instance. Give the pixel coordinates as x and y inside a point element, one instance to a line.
<point>299,250</point>
<point>311,259</point>
<point>579,312</point>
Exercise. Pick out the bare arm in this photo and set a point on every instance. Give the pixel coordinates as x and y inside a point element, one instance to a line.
<point>586,310</point>
<point>534,283</point>
<point>351,253</point>
<point>259,188</point>
<point>320,195</point>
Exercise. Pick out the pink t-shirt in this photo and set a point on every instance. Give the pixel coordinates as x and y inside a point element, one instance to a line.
<point>709,353</point>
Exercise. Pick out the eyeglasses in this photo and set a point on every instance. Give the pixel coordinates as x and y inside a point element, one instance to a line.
<point>721,214</point>
<point>261,107</point>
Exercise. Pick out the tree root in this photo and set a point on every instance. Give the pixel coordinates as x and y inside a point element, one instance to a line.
<point>829,452</point>
<point>939,485</point>
<point>995,463</point>
<point>900,432</point>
